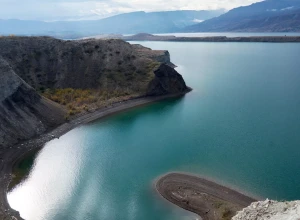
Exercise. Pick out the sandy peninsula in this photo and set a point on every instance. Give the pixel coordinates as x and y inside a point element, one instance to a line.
<point>208,199</point>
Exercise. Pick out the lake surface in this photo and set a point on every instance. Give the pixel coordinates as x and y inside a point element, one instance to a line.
<point>240,126</point>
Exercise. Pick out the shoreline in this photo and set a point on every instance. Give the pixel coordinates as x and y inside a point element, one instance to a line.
<point>11,156</point>
<point>250,39</point>
<point>210,179</point>
<point>206,198</point>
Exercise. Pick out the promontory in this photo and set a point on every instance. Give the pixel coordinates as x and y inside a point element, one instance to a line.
<point>49,86</point>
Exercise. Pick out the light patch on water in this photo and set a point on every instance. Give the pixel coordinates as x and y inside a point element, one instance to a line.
<point>34,200</point>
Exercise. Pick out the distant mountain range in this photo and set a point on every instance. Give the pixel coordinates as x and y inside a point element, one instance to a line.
<point>266,16</point>
<point>129,23</point>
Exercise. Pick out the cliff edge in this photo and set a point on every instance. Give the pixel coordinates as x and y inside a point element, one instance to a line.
<point>167,81</point>
<point>23,112</point>
<point>45,81</point>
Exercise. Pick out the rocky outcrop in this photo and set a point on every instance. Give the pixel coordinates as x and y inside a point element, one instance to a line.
<point>108,65</point>
<point>31,65</point>
<point>270,210</point>
<point>110,71</point>
<point>45,62</point>
<point>23,112</point>
<point>166,81</point>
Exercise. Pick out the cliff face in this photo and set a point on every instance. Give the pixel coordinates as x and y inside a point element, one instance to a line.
<point>106,65</point>
<point>166,81</point>
<point>23,113</point>
<point>270,210</point>
<point>77,74</point>
<point>99,64</point>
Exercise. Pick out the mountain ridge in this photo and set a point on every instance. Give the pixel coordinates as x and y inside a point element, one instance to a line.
<point>127,23</point>
<point>265,16</point>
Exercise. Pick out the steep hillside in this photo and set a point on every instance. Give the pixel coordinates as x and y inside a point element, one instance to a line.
<point>90,64</point>
<point>79,76</point>
<point>265,16</point>
<point>23,112</point>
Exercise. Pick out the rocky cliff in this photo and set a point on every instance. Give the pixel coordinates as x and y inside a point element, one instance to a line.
<point>78,76</point>
<point>50,63</point>
<point>23,112</point>
<point>166,81</point>
<point>45,62</point>
<point>270,210</point>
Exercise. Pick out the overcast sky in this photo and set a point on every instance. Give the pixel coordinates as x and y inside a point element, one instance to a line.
<point>49,10</point>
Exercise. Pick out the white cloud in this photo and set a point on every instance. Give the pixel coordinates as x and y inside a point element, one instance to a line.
<point>197,20</point>
<point>96,9</point>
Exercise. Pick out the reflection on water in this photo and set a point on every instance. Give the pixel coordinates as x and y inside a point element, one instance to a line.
<point>240,125</point>
<point>89,173</point>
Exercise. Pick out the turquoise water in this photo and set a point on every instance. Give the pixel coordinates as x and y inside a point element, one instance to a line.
<point>240,126</point>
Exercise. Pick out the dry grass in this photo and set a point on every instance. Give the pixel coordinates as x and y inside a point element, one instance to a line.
<point>114,86</point>
<point>80,100</point>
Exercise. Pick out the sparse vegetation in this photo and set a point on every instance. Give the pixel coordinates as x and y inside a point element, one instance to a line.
<point>73,99</point>
<point>227,214</point>
<point>80,100</point>
<point>114,72</point>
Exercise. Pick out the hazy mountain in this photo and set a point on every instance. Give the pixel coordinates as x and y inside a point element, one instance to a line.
<point>266,16</point>
<point>129,23</point>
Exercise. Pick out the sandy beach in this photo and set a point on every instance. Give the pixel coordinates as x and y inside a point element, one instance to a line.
<point>208,199</point>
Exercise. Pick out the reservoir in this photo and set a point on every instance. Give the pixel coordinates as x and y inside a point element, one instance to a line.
<point>239,126</point>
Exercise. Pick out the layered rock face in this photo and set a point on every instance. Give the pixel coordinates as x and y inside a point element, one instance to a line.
<point>270,210</point>
<point>166,81</point>
<point>31,65</point>
<point>45,62</point>
<point>23,112</point>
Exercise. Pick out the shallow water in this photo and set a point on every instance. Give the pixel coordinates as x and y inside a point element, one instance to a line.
<point>240,126</point>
